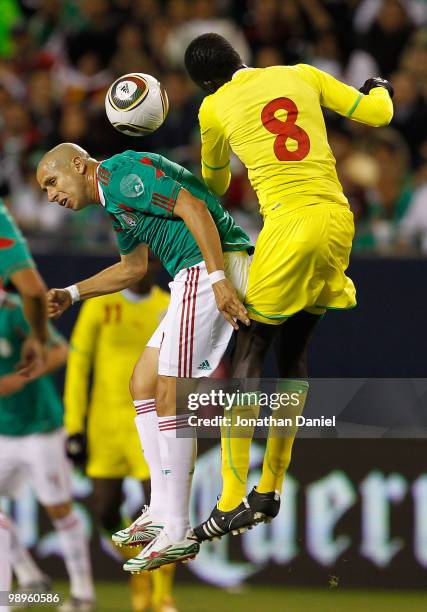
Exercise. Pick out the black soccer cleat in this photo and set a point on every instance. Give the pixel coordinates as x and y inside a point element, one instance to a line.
<point>235,521</point>
<point>265,506</point>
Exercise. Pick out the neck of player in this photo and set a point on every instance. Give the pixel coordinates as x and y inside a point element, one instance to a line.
<point>92,178</point>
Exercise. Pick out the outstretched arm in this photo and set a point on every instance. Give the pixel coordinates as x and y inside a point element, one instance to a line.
<point>374,108</point>
<point>197,218</point>
<point>121,275</point>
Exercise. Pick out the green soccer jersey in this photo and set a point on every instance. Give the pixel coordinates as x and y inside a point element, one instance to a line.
<point>37,408</point>
<point>139,190</point>
<point>14,253</point>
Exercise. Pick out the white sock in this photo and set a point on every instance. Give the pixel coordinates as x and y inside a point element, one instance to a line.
<point>5,566</point>
<point>178,455</point>
<point>24,566</point>
<point>75,548</point>
<point>147,424</point>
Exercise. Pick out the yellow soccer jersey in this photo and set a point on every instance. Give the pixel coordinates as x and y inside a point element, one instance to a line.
<point>272,120</point>
<point>110,334</point>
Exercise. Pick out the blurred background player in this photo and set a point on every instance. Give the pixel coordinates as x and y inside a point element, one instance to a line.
<point>106,342</point>
<point>17,266</point>
<point>32,446</point>
<point>271,118</point>
<point>5,549</point>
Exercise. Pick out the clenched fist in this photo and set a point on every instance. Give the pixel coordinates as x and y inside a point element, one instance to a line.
<point>58,300</point>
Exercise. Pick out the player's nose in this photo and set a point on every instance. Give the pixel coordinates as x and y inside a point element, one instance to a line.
<point>52,195</point>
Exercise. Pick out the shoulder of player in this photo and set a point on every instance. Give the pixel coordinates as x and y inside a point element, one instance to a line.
<point>125,176</point>
<point>116,165</point>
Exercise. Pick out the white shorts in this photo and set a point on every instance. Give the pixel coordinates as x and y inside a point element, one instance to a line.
<point>193,335</point>
<point>39,458</point>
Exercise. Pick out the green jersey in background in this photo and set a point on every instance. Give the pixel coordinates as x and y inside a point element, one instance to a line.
<point>37,408</point>
<point>14,252</point>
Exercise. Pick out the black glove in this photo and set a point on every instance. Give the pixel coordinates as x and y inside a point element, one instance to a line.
<point>76,449</point>
<point>376,82</point>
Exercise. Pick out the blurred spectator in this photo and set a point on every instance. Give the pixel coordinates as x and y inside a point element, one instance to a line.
<point>413,226</point>
<point>130,55</point>
<point>58,58</point>
<point>388,35</point>
<point>268,56</point>
<point>390,196</point>
<point>410,111</point>
<point>10,14</point>
<point>205,17</point>
<point>327,54</point>
<point>174,138</point>
<point>34,213</point>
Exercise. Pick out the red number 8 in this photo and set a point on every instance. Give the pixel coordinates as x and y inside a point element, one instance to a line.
<point>285,129</point>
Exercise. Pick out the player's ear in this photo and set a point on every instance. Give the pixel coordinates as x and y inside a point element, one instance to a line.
<point>79,164</point>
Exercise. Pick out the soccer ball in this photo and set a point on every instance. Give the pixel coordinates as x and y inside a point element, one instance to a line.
<point>136,104</point>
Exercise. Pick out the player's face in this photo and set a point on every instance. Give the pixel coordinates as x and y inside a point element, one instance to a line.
<point>65,187</point>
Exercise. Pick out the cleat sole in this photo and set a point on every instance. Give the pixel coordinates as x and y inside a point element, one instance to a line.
<point>240,530</point>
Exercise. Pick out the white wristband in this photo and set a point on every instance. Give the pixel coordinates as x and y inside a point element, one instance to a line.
<point>216,276</point>
<point>74,293</point>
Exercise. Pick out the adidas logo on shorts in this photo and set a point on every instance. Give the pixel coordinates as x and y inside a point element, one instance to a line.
<point>205,365</point>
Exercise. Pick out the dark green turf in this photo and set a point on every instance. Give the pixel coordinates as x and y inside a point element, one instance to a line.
<point>114,597</point>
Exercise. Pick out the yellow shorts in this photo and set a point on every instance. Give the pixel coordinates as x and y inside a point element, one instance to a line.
<point>115,452</point>
<point>300,262</point>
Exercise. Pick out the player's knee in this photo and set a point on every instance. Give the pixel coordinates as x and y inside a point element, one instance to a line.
<point>165,397</point>
<point>137,387</point>
<point>141,387</point>
<point>59,511</point>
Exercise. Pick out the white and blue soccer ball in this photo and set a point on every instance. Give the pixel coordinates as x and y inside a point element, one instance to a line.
<point>136,104</point>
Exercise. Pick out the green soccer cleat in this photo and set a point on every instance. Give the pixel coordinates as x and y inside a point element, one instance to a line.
<point>143,530</point>
<point>162,551</point>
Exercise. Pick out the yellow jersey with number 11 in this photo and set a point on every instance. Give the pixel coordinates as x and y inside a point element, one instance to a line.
<point>272,120</point>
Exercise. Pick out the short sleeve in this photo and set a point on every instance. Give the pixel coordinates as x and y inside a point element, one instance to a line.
<point>14,252</point>
<point>139,186</point>
<point>215,150</point>
<point>215,147</point>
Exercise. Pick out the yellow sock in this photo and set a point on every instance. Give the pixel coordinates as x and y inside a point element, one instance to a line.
<point>235,454</point>
<point>140,589</point>
<point>162,585</point>
<point>277,456</point>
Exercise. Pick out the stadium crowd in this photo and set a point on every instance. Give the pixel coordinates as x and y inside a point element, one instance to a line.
<point>58,57</point>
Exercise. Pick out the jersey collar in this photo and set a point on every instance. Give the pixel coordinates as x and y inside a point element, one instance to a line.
<point>100,192</point>
<point>241,70</point>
